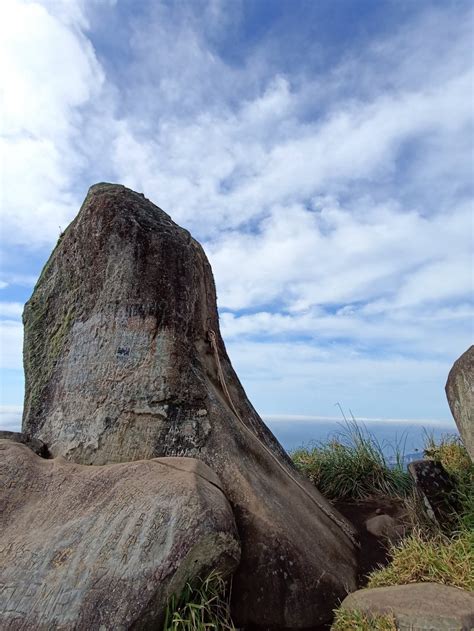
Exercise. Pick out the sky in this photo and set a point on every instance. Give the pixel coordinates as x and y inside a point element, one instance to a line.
<point>321,151</point>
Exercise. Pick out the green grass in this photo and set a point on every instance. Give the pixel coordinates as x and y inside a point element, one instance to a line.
<point>438,559</point>
<point>360,621</point>
<point>453,456</point>
<point>202,606</point>
<point>353,466</point>
<point>432,552</point>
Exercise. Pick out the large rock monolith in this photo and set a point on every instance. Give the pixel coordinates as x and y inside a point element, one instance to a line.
<point>460,395</point>
<point>124,361</point>
<point>87,547</point>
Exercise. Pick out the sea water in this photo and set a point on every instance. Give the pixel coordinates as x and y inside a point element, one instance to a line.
<point>408,438</point>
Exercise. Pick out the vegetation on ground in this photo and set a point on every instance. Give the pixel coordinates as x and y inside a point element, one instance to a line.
<point>453,456</point>
<point>360,621</point>
<point>202,606</point>
<point>438,559</point>
<point>431,552</point>
<point>353,466</point>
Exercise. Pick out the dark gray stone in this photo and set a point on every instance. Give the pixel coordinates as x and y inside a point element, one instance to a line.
<point>437,488</point>
<point>384,527</point>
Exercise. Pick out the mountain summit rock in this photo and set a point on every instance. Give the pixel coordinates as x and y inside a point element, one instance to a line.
<point>124,361</point>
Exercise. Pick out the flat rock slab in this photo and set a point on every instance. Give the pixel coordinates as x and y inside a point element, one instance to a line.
<point>460,395</point>
<point>124,361</point>
<point>418,606</point>
<point>89,547</point>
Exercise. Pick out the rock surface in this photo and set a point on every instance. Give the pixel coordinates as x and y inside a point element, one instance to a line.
<point>437,489</point>
<point>384,527</point>
<point>418,606</point>
<point>104,547</point>
<point>119,366</point>
<point>460,395</point>
<point>34,444</point>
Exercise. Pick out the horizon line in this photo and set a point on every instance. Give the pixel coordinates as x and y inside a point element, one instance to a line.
<point>360,419</point>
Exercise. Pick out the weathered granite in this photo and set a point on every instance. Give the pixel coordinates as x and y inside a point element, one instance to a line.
<point>460,395</point>
<point>418,606</point>
<point>89,547</point>
<point>385,527</point>
<point>34,444</point>
<point>119,367</point>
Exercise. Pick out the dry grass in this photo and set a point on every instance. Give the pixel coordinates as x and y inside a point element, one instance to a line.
<point>359,621</point>
<point>451,453</point>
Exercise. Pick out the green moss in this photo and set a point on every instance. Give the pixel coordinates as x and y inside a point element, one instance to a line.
<point>40,356</point>
<point>60,333</point>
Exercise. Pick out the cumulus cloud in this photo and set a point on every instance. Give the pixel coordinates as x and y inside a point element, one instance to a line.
<point>49,72</point>
<point>334,201</point>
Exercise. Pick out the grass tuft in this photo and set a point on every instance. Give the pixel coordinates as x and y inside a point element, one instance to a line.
<point>202,606</point>
<point>359,621</point>
<point>438,559</point>
<point>453,456</point>
<point>353,466</point>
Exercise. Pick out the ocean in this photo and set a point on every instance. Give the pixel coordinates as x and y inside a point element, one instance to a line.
<point>408,436</point>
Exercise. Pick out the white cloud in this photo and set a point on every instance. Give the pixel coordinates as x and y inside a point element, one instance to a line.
<point>11,309</point>
<point>340,255</point>
<point>332,203</point>
<point>49,72</point>
<point>298,378</point>
<point>11,344</point>
<point>10,417</point>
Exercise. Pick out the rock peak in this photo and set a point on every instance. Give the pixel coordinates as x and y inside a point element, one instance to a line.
<point>124,361</point>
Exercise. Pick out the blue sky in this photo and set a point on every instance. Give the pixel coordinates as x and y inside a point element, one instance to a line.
<point>321,151</point>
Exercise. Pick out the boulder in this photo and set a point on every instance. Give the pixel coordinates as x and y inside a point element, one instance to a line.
<point>437,488</point>
<point>384,527</point>
<point>418,606</point>
<point>34,444</point>
<point>460,395</point>
<point>124,361</point>
<point>88,547</point>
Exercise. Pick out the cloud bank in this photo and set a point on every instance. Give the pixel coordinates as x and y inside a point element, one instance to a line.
<point>329,179</point>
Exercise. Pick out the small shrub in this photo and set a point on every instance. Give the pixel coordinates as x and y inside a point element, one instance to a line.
<point>360,621</point>
<point>353,466</point>
<point>451,453</point>
<point>439,559</point>
<point>202,606</point>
